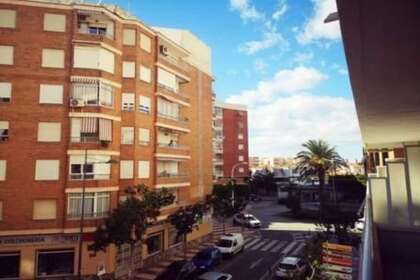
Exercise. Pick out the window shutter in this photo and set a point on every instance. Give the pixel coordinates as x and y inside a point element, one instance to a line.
<point>144,104</point>
<point>145,42</point>
<point>129,69</point>
<point>127,102</point>
<point>145,74</point>
<point>54,22</point>
<point>127,135</point>
<point>4,125</point>
<point>106,60</point>
<point>76,129</point>
<point>105,130</point>
<point>167,79</point>
<point>3,168</point>
<point>6,55</point>
<point>45,209</point>
<point>144,169</point>
<point>86,57</point>
<point>52,58</point>
<point>7,18</point>
<point>49,132</point>
<point>47,170</point>
<point>51,94</point>
<point>129,37</point>
<point>126,169</point>
<point>5,91</point>
<point>144,135</point>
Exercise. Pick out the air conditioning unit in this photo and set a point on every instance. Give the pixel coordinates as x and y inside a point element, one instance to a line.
<point>76,102</point>
<point>163,50</point>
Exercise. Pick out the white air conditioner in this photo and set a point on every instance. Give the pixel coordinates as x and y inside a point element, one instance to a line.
<point>76,102</point>
<point>163,50</point>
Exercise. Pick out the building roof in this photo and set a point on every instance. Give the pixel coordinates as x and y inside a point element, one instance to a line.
<point>231,106</point>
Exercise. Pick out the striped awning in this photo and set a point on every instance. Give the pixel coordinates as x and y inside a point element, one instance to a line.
<point>105,130</point>
<point>89,125</point>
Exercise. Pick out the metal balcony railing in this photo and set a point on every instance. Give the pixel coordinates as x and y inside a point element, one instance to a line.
<point>179,119</point>
<point>367,252</point>
<point>89,176</point>
<point>171,90</point>
<point>166,174</point>
<point>173,146</point>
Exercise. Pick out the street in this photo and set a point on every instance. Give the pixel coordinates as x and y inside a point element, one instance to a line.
<point>277,237</point>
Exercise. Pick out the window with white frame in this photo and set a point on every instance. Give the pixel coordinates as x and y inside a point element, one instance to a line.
<point>6,55</point>
<point>144,136</point>
<point>127,102</point>
<point>240,136</point>
<point>129,69</point>
<point>5,92</point>
<point>93,92</point>
<point>145,42</point>
<point>50,94</point>
<point>97,204</point>
<point>49,132</point>
<point>145,74</point>
<point>94,58</point>
<point>52,58</point>
<point>129,37</point>
<point>44,209</point>
<point>241,158</point>
<point>168,109</point>
<point>97,167</point>
<point>240,146</point>
<point>91,130</point>
<point>143,169</point>
<point>54,22</point>
<point>167,80</point>
<point>47,170</point>
<point>7,18</point>
<point>127,135</point>
<point>126,169</point>
<point>4,131</point>
<point>3,168</point>
<point>167,168</point>
<point>144,104</point>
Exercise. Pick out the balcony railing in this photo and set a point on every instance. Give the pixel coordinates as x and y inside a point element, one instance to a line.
<point>171,90</point>
<point>92,215</point>
<point>166,174</point>
<point>85,139</point>
<point>367,254</point>
<point>173,146</point>
<point>175,61</point>
<point>218,161</point>
<point>94,93</point>
<point>99,32</point>
<point>89,176</point>
<point>179,119</point>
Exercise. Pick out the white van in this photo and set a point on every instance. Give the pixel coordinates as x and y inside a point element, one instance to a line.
<point>231,243</point>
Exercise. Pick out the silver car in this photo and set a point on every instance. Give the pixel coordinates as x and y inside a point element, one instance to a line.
<point>214,275</point>
<point>246,220</point>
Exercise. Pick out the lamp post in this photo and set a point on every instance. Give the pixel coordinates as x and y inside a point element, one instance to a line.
<point>82,217</point>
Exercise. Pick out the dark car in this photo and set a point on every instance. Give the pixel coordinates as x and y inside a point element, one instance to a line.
<point>179,270</point>
<point>207,258</point>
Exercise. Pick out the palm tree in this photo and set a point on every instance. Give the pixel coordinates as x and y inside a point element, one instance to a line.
<point>318,159</point>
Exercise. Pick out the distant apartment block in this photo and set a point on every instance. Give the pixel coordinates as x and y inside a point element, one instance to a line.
<point>230,141</point>
<point>80,85</point>
<point>270,163</point>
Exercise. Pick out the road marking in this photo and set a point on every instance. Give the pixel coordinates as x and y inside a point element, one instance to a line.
<point>252,243</point>
<point>298,249</point>
<point>269,245</point>
<point>289,248</point>
<point>254,264</point>
<point>260,244</point>
<point>278,247</point>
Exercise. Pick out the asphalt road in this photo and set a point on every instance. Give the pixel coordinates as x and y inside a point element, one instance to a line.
<point>278,236</point>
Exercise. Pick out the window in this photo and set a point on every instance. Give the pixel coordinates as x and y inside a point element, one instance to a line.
<point>240,146</point>
<point>54,262</point>
<point>127,102</point>
<point>168,109</point>
<point>144,104</point>
<point>240,136</point>
<point>97,204</point>
<point>4,131</point>
<point>93,58</point>
<point>54,22</point>
<point>45,209</point>
<point>47,170</point>
<point>52,58</point>
<point>7,20</point>
<point>10,265</point>
<point>240,125</point>
<point>241,158</point>
<point>154,243</point>
<point>126,169</point>
<point>127,135</point>
<point>93,92</point>
<point>167,168</point>
<point>167,80</point>
<point>129,69</point>
<point>96,168</point>
<point>145,74</point>
<point>241,170</point>
<point>3,168</point>
<point>5,92</point>
<point>144,136</point>
<point>49,132</point>
<point>174,239</point>
<point>129,37</point>
<point>144,169</point>
<point>91,130</point>
<point>51,94</point>
<point>6,55</point>
<point>1,218</point>
<point>145,43</point>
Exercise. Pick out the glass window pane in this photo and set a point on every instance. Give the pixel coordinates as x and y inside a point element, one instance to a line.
<point>55,263</point>
<point>9,264</point>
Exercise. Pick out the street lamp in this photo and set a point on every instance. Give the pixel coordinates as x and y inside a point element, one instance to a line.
<point>82,218</point>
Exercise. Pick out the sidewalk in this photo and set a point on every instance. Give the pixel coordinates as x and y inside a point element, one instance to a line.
<point>152,272</point>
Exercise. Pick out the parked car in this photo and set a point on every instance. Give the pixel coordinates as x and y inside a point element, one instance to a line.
<point>246,220</point>
<point>179,270</point>
<point>207,258</point>
<point>290,266</point>
<point>231,243</point>
<point>214,275</point>
<point>254,197</point>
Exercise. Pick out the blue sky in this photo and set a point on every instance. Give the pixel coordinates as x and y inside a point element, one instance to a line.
<point>277,57</point>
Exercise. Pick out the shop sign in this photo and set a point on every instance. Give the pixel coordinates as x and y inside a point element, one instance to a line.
<point>38,239</point>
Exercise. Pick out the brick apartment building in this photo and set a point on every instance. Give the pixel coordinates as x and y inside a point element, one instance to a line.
<point>80,78</point>
<point>230,141</point>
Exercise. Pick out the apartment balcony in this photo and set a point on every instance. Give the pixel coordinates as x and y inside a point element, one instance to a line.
<point>217,161</point>
<point>174,122</point>
<point>91,95</point>
<point>95,26</point>
<point>173,148</point>
<point>173,61</point>
<point>167,178</point>
<point>173,95</point>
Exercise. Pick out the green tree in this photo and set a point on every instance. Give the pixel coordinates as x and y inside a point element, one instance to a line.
<point>262,180</point>
<point>127,224</point>
<point>317,160</point>
<point>228,199</point>
<point>186,219</point>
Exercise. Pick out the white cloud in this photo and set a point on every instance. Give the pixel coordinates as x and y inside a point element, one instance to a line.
<point>280,11</point>
<point>246,10</point>
<point>343,71</point>
<point>284,113</point>
<point>260,65</point>
<point>270,39</point>
<point>303,57</point>
<point>315,29</point>
<point>284,82</point>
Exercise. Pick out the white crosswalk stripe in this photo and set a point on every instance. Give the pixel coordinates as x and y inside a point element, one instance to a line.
<point>278,247</point>
<point>252,243</point>
<point>269,245</point>
<point>260,244</point>
<point>298,249</point>
<point>289,247</point>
